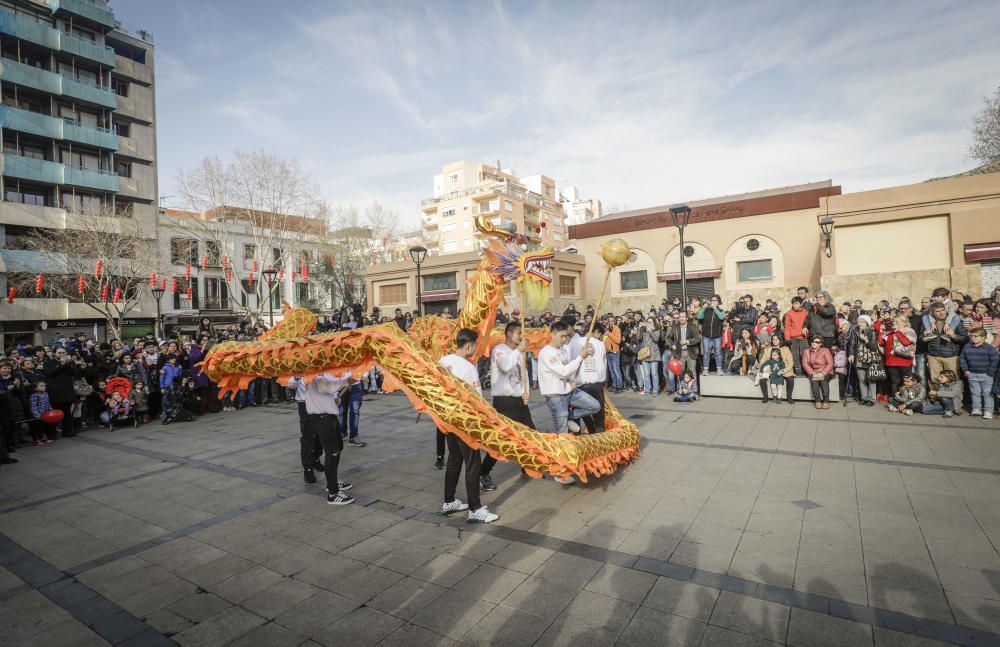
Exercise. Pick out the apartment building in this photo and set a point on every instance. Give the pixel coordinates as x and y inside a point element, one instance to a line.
<point>578,210</point>
<point>78,130</point>
<point>464,190</point>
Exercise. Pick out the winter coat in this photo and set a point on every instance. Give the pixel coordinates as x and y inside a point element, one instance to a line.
<point>651,340</point>
<point>59,380</point>
<point>855,343</point>
<point>11,400</point>
<point>711,322</point>
<point>840,362</point>
<point>979,360</point>
<point>198,376</point>
<point>672,340</point>
<point>822,320</point>
<point>168,375</point>
<point>911,394</point>
<point>786,359</point>
<point>40,403</point>
<point>952,391</point>
<point>817,361</point>
<point>886,342</point>
<point>793,322</point>
<point>939,344</point>
<point>134,372</point>
<point>139,400</point>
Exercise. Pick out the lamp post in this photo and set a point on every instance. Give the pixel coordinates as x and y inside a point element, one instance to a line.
<point>158,328</point>
<point>417,255</point>
<point>826,228</point>
<point>681,216</point>
<point>269,275</point>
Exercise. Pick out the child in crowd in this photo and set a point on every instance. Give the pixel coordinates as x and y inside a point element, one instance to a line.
<point>909,397</point>
<point>978,362</point>
<point>139,398</point>
<point>43,433</point>
<point>840,369</point>
<point>942,396</point>
<point>771,371</point>
<point>116,405</point>
<point>173,403</point>
<point>687,388</point>
<point>727,344</point>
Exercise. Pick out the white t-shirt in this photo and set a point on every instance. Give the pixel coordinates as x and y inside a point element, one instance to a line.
<point>574,345</point>
<point>506,371</point>
<point>594,369</point>
<point>555,371</point>
<point>463,369</point>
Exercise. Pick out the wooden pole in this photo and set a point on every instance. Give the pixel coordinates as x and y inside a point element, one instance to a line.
<point>597,309</point>
<point>524,356</point>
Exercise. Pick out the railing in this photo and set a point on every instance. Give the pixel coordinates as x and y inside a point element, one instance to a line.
<point>80,124</point>
<point>497,187</point>
<point>87,48</point>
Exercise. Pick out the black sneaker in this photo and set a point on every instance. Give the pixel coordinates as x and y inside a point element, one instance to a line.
<point>354,442</point>
<point>343,486</point>
<point>318,466</point>
<point>339,498</point>
<point>309,476</point>
<point>439,464</point>
<point>486,483</point>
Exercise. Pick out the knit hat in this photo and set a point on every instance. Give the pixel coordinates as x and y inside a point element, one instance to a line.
<point>866,319</point>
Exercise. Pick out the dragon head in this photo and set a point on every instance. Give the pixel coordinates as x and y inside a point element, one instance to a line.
<point>508,259</point>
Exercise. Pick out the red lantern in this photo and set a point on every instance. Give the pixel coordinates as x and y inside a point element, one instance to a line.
<point>253,267</point>
<point>250,279</point>
<point>281,273</point>
<point>39,284</point>
<point>81,285</point>
<point>11,293</point>
<point>98,268</point>
<point>305,273</point>
<point>225,262</point>
<point>229,275</point>
<point>104,292</point>
<point>190,294</point>
<point>293,276</point>
<point>538,230</point>
<point>163,284</point>
<point>117,296</point>
<point>204,262</point>
<point>152,279</point>
<point>173,285</point>
<point>187,271</point>
<point>545,224</point>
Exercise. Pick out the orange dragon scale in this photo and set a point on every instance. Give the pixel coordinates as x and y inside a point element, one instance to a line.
<point>409,361</point>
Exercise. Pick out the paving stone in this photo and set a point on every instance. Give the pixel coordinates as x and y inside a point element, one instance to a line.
<point>703,556</point>
<point>596,610</point>
<point>521,557</point>
<point>271,635</point>
<point>568,570</point>
<point>808,629</point>
<point>406,597</point>
<point>28,614</point>
<point>751,616</point>
<point>273,600</point>
<point>167,622</point>
<point>478,546</point>
<point>506,626</point>
<point>363,626</point>
<point>621,583</point>
<point>410,635</point>
<point>366,583</point>
<point>719,637</point>
<point>296,561</point>
<point>452,614</point>
<point>220,629</point>
<point>889,638</point>
<point>329,572</point>
<point>652,627</point>
<point>244,584</point>
<point>489,582</point>
<point>544,598</point>
<point>445,570</point>
<point>311,616</point>
<point>682,598</point>
<point>215,570</point>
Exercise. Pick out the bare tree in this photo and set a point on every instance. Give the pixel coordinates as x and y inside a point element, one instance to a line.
<point>126,258</point>
<point>257,209</point>
<point>985,145</point>
<point>355,242</point>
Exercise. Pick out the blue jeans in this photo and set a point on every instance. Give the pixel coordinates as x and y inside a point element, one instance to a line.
<point>582,403</point>
<point>668,378</point>
<point>350,410</point>
<point>246,396</point>
<point>615,368</point>
<point>939,406</point>
<point>981,387</point>
<point>712,347</point>
<point>651,376</point>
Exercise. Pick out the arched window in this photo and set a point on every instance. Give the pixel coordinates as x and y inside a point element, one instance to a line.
<point>754,260</point>
<point>637,277</point>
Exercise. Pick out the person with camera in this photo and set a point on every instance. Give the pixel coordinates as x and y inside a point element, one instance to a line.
<point>60,373</point>
<point>744,315</point>
<point>898,343</point>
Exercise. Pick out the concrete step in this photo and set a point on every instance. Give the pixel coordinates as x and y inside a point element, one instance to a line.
<point>741,386</point>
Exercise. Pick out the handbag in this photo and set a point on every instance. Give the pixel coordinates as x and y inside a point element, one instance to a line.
<point>875,373</point>
<point>899,349</point>
<point>644,354</point>
<point>82,388</point>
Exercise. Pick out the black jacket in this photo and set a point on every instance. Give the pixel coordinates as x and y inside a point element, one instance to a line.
<point>822,321</point>
<point>673,338</point>
<point>940,345</point>
<point>59,380</point>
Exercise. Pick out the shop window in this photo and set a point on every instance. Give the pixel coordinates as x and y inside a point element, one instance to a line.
<point>567,286</point>
<point>636,280</point>
<point>445,281</point>
<point>392,294</point>
<point>754,270</point>
<point>183,251</point>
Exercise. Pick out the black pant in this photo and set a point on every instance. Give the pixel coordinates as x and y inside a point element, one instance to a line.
<point>326,427</point>
<point>797,346</point>
<point>765,386</point>
<point>595,423</point>
<point>828,342</point>
<point>458,453</point>
<point>513,407</point>
<point>68,422</point>
<point>441,441</point>
<point>821,389</point>
<point>896,374</point>
<point>310,448</point>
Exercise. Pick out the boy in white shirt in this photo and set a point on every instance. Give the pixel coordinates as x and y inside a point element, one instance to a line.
<point>507,373</point>
<point>556,376</point>
<point>593,375</point>
<point>458,452</point>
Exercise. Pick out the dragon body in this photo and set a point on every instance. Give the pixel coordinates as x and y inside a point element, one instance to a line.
<point>409,363</point>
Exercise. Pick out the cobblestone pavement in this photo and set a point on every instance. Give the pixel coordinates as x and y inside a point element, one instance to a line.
<point>741,524</point>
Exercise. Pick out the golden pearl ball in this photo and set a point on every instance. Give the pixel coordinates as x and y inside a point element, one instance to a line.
<point>616,252</point>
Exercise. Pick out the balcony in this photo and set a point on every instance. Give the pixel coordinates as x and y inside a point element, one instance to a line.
<point>90,92</point>
<point>88,49</point>
<point>136,147</point>
<point>30,30</point>
<point>36,170</point>
<point>133,70</point>
<point>26,121</point>
<point>89,9</point>
<point>30,76</point>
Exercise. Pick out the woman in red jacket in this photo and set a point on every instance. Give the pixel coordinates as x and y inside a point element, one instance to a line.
<point>817,363</point>
<point>897,341</point>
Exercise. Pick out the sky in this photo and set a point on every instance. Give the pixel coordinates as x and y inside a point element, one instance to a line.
<point>637,104</point>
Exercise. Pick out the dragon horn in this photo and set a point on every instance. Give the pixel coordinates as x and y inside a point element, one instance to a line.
<point>489,229</point>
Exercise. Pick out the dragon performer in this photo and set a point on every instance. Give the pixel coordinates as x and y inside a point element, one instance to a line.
<point>409,362</point>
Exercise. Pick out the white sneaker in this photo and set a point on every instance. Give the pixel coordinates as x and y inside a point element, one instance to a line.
<point>482,515</point>
<point>894,409</point>
<point>572,426</point>
<point>977,412</point>
<point>565,480</point>
<point>453,507</point>
<point>987,416</point>
<point>908,412</point>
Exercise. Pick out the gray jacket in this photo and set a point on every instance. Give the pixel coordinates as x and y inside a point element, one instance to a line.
<point>651,340</point>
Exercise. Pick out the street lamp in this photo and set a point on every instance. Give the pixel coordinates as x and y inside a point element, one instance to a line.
<point>417,255</point>
<point>682,216</point>
<point>158,328</point>
<point>826,228</point>
<point>269,275</point>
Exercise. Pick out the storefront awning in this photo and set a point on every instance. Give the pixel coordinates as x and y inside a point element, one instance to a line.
<point>443,295</point>
<point>676,276</point>
<point>982,252</point>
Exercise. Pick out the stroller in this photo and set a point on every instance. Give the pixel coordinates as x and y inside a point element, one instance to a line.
<point>122,415</point>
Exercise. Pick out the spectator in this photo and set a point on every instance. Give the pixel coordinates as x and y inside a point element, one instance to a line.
<point>687,388</point>
<point>711,318</point>
<point>942,395</point>
<point>613,346</point>
<point>60,373</point>
<point>796,332</point>
<point>817,362</point>
<point>978,362</point>
<point>648,354</point>
<point>909,397</point>
<point>683,339</point>
<point>822,320</point>
<point>864,355</point>
<point>786,376</point>
<point>945,335</point>
<point>745,352</point>
<point>744,316</point>
<point>897,341</point>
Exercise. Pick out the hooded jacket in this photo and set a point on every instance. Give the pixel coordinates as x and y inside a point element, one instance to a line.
<point>822,319</point>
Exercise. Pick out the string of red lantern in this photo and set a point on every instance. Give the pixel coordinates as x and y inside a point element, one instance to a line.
<point>173,285</point>
<point>104,292</point>
<point>152,279</point>
<point>81,284</point>
<point>204,262</point>
<point>39,284</point>
<point>11,293</point>
<point>117,296</point>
